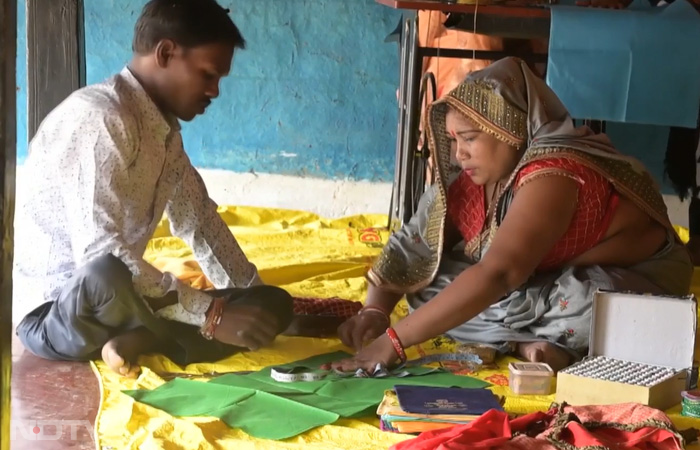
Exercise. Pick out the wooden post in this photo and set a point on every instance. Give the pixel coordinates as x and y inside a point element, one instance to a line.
<point>8,155</point>
<point>55,55</point>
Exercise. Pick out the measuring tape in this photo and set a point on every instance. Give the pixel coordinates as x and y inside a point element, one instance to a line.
<point>300,373</point>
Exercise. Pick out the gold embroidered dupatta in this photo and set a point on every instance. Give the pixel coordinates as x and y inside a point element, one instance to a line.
<point>509,102</point>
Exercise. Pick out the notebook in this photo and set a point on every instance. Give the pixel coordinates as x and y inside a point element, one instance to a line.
<point>453,401</point>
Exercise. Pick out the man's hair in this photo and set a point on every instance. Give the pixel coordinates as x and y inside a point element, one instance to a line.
<point>189,23</point>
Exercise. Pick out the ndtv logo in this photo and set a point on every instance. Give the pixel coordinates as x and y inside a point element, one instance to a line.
<point>48,430</point>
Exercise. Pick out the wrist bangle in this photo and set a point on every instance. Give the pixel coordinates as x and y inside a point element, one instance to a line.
<point>376,310</point>
<point>213,318</point>
<point>396,342</point>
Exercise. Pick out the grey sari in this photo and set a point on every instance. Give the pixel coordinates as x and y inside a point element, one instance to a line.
<point>509,102</point>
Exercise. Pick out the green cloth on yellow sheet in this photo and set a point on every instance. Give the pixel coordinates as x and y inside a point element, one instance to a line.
<point>310,257</point>
<point>268,409</point>
<point>257,413</point>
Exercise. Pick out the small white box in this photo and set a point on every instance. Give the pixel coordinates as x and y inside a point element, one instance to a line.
<point>641,351</point>
<point>528,378</point>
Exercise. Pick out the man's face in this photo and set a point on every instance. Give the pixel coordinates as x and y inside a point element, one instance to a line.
<point>191,77</point>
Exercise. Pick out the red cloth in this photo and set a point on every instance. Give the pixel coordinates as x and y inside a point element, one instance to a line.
<point>334,307</point>
<point>645,429</point>
<point>597,201</point>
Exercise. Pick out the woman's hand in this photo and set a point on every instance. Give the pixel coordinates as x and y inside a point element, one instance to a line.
<point>362,328</point>
<point>381,351</point>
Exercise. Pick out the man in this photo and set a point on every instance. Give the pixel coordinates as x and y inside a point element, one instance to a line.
<point>104,166</point>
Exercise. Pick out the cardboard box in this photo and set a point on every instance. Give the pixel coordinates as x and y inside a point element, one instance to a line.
<point>641,350</point>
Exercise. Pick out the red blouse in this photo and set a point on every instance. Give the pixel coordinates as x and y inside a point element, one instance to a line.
<point>597,202</point>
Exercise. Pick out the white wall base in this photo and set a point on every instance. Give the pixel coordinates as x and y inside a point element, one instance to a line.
<point>327,198</point>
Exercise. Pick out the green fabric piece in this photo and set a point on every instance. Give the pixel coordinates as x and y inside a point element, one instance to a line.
<point>269,416</point>
<point>268,409</point>
<point>191,398</point>
<point>272,387</point>
<point>248,409</point>
<point>343,407</point>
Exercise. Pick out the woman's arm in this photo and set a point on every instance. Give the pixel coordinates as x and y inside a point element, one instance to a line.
<point>538,217</point>
<point>387,300</point>
<point>372,320</point>
<point>379,298</point>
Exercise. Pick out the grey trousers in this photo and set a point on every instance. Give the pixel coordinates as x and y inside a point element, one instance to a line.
<point>99,302</point>
<point>556,306</point>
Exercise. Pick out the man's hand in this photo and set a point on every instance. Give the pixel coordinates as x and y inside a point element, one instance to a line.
<point>246,326</point>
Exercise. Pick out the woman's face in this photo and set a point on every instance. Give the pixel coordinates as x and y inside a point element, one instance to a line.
<point>485,159</point>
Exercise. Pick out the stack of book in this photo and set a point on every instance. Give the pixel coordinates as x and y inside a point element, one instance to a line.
<point>415,409</point>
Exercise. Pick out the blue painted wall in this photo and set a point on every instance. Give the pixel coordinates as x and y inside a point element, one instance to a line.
<point>316,81</point>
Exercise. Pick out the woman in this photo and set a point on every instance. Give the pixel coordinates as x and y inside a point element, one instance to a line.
<point>528,217</point>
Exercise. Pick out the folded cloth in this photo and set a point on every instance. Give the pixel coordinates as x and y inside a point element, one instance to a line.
<point>562,427</point>
<point>320,317</point>
<point>334,306</point>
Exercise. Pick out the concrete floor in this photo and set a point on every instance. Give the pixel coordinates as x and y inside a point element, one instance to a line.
<point>65,395</point>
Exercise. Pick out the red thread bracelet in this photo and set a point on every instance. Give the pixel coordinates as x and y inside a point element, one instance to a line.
<point>396,342</point>
<point>213,318</point>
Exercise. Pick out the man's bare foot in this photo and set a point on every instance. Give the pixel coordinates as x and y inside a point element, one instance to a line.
<point>546,353</point>
<point>121,352</point>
